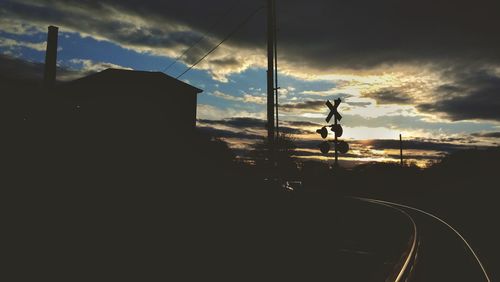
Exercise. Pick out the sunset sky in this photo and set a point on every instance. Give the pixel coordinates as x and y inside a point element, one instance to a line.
<point>427,69</point>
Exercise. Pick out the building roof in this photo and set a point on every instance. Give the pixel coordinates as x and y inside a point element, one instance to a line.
<point>123,78</point>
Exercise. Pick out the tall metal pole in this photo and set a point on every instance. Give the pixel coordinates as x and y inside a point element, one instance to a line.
<point>270,78</point>
<point>401,149</point>
<point>276,86</point>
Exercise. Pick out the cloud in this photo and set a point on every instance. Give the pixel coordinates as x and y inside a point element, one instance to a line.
<point>241,133</point>
<point>221,133</point>
<point>260,100</point>
<point>472,95</point>
<point>13,68</point>
<point>13,44</point>
<point>336,35</point>
<point>209,112</point>
<point>368,38</point>
<point>487,134</point>
<point>253,123</point>
<point>18,28</point>
<point>137,27</point>
<point>237,122</point>
<point>303,123</point>
<point>389,96</point>
<point>246,98</point>
<point>89,66</point>
<point>428,145</point>
<point>225,96</point>
<point>314,106</point>
<point>21,70</point>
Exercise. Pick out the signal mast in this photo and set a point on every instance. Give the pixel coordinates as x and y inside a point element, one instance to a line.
<point>339,146</point>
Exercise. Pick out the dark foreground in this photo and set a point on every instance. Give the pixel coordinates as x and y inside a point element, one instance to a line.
<point>188,223</point>
<point>124,198</point>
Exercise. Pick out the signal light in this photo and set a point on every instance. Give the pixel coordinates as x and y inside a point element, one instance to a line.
<point>337,129</point>
<point>342,147</point>
<point>324,147</point>
<point>323,131</point>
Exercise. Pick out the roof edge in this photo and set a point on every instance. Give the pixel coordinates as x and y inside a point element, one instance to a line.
<point>196,89</point>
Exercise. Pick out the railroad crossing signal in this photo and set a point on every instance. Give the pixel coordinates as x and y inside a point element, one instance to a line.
<point>333,110</point>
<point>339,146</point>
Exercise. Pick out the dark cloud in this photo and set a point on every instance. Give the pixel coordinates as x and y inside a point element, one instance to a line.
<point>360,34</point>
<point>416,149</point>
<point>387,144</point>
<point>16,69</point>
<point>396,121</point>
<point>358,104</point>
<point>307,105</point>
<point>225,62</point>
<point>237,122</point>
<point>316,33</point>
<point>427,145</point>
<point>302,123</point>
<point>103,19</point>
<point>487,134</point>
<point>417,156</point>
<point>252,123</point>
<point>390,96</point>
<point>473,95</point>
<point>21,71</point>
<point>222,133</point>
<point>319,34</point>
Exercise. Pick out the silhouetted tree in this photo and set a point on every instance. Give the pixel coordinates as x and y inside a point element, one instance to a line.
<point>213,152</point>
<point>284,155</point>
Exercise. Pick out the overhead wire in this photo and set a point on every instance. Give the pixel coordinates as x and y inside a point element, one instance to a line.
<point>246,20</point>
<point>203,37</point>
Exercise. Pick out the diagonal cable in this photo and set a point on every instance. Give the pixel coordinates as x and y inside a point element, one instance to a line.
<point>216,23</point>
<point>247,19</point>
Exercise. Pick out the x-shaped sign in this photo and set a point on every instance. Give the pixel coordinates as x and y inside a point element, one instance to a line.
<point>333,110</point>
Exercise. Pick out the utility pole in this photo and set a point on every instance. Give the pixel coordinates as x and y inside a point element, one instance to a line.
<point>401,149</point>
<point>270,77</point>
<point>276,85</point>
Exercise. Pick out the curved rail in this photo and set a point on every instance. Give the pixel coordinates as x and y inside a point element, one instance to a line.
<point>439,220</point>
<point>404,272</point>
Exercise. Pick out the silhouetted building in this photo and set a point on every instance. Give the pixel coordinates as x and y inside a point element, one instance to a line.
<point>126,94</point>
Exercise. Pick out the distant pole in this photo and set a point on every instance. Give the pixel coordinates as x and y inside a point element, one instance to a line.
<point>401,149</point>
<point>49,75</point>
<point>270,78</point>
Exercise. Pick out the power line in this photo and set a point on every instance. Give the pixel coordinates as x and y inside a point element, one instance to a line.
<point>216,23</point>
<point>247,19</point>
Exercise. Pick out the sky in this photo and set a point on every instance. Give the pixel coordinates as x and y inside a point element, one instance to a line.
<point>429,70</point>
